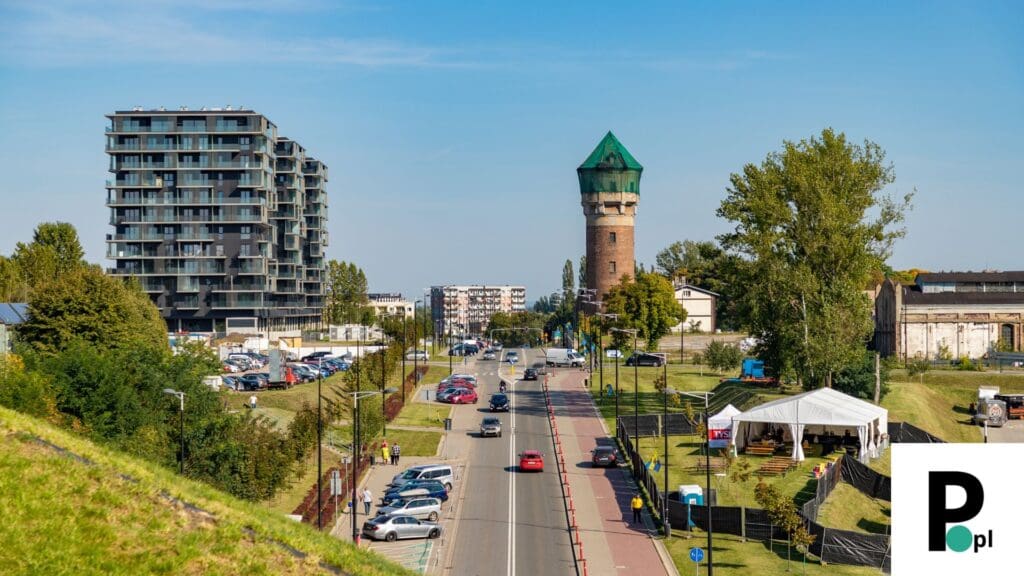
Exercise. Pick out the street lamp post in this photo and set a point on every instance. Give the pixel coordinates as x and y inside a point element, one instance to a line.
<point>405,347</point>
<point>357,450</point>
<point>664,431</point>
<point>181,426</point>
<point>319,457</point>
<point>707,465</point>
<point>636,385</point>
<point>383,377</point>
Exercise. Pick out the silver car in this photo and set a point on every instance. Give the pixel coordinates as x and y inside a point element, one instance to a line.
<point>490,427</point>
<point>391,528</point>
<point>422,508</point>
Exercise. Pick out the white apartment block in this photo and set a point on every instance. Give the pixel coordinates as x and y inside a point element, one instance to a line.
<point>467,309</point>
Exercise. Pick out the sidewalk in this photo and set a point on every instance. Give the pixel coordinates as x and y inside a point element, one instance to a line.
<point>612,543</point>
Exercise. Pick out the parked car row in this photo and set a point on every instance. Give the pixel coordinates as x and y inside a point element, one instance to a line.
<point>411,506</point>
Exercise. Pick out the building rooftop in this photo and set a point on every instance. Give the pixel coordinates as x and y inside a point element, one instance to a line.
<point>987,276</point>
<point>13,313</point>
<point>610,154</point>
<point>913,295</point>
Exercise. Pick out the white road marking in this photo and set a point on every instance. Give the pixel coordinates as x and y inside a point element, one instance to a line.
<point>511,485</point>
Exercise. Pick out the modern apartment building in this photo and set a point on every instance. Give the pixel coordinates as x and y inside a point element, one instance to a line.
<point>390,303</point>
<point>222,221</point>
<point>468,309</point>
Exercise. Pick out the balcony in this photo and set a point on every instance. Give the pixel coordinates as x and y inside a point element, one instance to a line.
<point>163,200</point>
<point>236,301</point>
<point>252,267</point>
<point>186,303</point>
<point>194,268</point>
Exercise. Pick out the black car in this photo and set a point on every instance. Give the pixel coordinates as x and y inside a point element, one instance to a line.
<point>645,360</point>
<point>603,456</point>
<point>250,382</point>
<point>315,356</point>
<point>530,374</point>
<point>499,403</point>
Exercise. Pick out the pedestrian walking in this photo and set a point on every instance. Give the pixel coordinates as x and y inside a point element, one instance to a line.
<point>367,500</point>
<point>252,402</point>
<point>385,455</point>
<point>637,504</point>
<point>396,453</point>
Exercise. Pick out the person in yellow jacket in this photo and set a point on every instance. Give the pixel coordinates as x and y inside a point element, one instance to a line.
<point>637,504</point>
<point>385,454</point>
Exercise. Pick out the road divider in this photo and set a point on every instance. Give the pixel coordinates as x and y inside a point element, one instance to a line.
<point>563,475</point>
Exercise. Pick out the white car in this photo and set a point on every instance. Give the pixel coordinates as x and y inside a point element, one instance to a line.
<point>417,355</point>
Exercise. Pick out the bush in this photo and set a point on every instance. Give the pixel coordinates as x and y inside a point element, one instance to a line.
<point>918,367</point>
<point>859,380</point>
<point>723,357</point>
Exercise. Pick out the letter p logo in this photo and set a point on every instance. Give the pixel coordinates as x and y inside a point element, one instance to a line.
<point>959,538</point>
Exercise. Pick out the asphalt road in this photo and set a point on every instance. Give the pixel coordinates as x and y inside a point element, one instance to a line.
<point>511,522</point>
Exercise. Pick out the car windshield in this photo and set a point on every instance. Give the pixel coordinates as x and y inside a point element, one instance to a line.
<point>410,474</point>
<point>499,398</point>
<point>603,450</point>
<point>491,421</point>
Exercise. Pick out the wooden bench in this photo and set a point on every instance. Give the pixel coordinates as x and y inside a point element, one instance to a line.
<point>717,465</point>
<point>776,465</point>
<point>759,450</point>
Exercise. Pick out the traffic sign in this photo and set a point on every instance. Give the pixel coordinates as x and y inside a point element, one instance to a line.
<point>697,554</point>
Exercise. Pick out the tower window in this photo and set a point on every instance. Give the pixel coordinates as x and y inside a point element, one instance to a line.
<point>611,237</point>
<point>611,266</point>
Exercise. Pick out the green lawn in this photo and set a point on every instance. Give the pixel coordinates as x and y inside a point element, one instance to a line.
<point>64,516</point>
<point>415,442</point>
<point>682,378</point>
<point>733,557</point>
<point>422,414</point>
<point>848,509</point>
<point>685,452</point>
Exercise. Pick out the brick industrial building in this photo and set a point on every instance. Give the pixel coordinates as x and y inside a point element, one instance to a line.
<point>221,220</point>
<point>610,192</point>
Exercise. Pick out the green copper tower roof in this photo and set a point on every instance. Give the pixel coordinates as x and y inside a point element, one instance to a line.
<point>610,154</point>
<point>610,168</point>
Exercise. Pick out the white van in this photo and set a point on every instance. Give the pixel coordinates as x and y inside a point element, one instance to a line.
<point>563,357</point>
<point>440,472</point>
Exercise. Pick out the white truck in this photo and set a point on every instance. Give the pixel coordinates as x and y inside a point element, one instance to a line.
<point>563,357</point>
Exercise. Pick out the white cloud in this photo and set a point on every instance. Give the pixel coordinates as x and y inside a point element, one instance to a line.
<point>112,32</point>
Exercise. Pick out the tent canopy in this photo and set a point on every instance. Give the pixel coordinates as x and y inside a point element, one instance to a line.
<point>823,407</point>
<point>724,418</point>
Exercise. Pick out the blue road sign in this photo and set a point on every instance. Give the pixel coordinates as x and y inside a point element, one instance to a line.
<point>697,554</point>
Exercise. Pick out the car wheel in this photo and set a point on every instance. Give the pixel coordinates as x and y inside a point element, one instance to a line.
<point>391,537</point>
<point>432,517</point>
<point>434,534</point>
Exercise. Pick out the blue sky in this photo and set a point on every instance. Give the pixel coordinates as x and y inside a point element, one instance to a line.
<point>453,129</point>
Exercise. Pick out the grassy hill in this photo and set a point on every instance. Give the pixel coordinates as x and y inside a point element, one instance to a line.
<point>73,507</point>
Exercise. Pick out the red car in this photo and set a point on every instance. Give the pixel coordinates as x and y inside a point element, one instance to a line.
<point>462,396</point>
<point>531,460</point>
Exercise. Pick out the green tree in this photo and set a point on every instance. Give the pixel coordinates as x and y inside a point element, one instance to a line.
<point>858,379</point>
<point>722,357</point>
<point>63,239</point>
<point>514,329</point>
<point>810,225</point>
<point>782,512</point>
<point>347,301</point>
<point>646,303</point>
<point>86,304</point>
<point>13,287</point>
<point>568,283</point>
<point>583,271</point>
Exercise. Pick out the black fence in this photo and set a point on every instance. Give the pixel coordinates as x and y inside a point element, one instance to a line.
<point>830,545</point>
<point>868,481</point>
<point>910,434</point>
<point>640,472</point>
<point>826,484</point>
<point>647,425</point>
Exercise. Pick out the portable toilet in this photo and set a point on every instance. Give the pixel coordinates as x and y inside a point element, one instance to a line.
<point>690,494</point>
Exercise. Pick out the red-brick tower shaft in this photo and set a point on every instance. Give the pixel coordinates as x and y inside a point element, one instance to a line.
<point>609,192</point>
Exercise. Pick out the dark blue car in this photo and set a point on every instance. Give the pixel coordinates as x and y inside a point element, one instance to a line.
<point>417,488</point>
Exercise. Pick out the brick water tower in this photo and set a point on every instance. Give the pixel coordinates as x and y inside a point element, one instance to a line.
<point>609,193</point>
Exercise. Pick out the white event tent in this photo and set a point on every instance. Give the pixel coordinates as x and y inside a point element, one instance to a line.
<point>817,411</point>
<point>720,427</point>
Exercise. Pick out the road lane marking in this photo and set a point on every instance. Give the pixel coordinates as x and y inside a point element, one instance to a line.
<point>511,485</point>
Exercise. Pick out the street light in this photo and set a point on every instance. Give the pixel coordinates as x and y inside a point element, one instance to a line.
<point>356,448</point>
<point>636,384</point>
<point>707,462</point>
<point>664,431</point>
<point>600,359</point>
<point>181,425</point>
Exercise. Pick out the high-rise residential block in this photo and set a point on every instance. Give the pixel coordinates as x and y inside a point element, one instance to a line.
<point>222,221</point>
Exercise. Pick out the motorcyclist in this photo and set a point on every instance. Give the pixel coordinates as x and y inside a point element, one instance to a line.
<point>501,387</point>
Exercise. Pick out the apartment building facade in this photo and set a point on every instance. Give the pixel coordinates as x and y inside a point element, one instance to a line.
<point>467,309</point>
<point>222,221</point>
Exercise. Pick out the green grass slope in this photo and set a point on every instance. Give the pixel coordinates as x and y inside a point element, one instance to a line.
<point>72,507</point>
